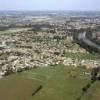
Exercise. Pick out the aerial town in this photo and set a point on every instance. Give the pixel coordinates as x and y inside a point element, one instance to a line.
<point>38,40</point>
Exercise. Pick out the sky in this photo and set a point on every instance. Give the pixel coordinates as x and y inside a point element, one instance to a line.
<point>81,5</point>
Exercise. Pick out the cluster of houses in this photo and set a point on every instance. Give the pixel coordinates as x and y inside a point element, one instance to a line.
<point>26,50</point>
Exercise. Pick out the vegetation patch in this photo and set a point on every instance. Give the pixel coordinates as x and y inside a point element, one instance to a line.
<point>89,56</point>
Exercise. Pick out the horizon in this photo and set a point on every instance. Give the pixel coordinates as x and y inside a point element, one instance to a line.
<point>51,10</point>
<point>50,5</point>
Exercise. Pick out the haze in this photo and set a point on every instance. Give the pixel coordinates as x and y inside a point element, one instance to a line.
<point>83,5</point>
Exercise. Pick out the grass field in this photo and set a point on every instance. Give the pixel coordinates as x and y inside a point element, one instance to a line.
<point>83,56</point>
<point>17,88</point>
<point>13,30</point>
<point>93,93</point>
<point>58,83</point>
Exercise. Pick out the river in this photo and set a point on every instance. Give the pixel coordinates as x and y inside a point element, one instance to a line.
<point>82,37</point>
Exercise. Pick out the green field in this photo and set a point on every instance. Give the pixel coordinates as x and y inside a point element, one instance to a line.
<point>17,88</point>
<point>13,30</point>
<point>93,93</point>
<point>61,83</point>
<point>58,83</point>
<point>83,56</point>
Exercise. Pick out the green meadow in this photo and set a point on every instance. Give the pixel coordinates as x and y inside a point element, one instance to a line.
<point>58,83</point>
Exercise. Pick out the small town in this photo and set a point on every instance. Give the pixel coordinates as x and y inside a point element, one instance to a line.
<point>49,55</point>
<point>28,48</point>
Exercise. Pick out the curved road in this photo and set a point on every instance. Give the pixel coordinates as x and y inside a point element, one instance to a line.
<point>82,37</point>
